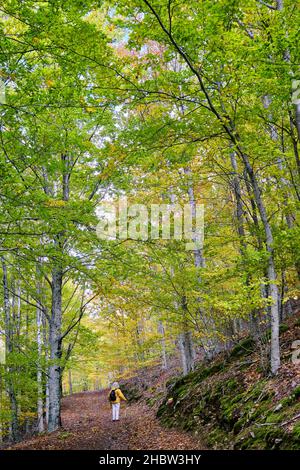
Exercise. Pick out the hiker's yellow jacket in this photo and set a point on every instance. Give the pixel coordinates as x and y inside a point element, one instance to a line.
<point>119,396</point>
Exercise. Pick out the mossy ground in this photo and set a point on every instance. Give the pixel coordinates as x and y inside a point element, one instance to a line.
<point>229,403</point>
<point>228,411</point>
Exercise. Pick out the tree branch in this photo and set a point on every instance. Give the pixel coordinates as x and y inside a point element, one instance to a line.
<point>267,5</point>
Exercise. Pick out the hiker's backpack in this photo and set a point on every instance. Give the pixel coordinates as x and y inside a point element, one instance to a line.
<point>112,395</point>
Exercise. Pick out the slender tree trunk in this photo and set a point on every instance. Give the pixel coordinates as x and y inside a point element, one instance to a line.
<point>140,340</point>
<point>70,382</point>
<point>18,313</point>
<point>239,204</point>
<point>271,271</point>
<point>297,118</point>
<point>1,398</point>
<point>14,426</point>
<point>55,340</point>
<point>39,339</point>
<point>55,350</point>
<point>272,276</point>
<point>46,349</point>
<point>283,181</point>
<point>164,360</point>
<point>208,344</point>
<point>186,343</point>
<point>295,146</point>
<point>198,254</point>
<point>186,350</point>
<point>47,402</point>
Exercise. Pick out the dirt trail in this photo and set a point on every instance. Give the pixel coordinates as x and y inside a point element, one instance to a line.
<point>86,424</point>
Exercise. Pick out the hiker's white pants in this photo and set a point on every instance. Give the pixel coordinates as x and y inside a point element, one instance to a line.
<point>115,411</point>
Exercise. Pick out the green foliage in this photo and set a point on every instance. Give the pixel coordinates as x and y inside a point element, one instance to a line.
<point>102,101</point>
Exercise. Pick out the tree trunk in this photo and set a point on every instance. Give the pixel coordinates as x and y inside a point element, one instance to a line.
<point>14,426</point>
<point>55,339</point>
<point>47,405</point>
<point>39,325</point>
<point>55,350</point>
<point>208,344</point>
<point>164,360</point>
<point>198,254</point>
<point>239,204</point>
<point>187,352</point>
<point>70,382</point>
<point>297,118</point>
<point>272,276</point>
<point>271,271</point>
<point>46,349</point>
<point>186,343</point>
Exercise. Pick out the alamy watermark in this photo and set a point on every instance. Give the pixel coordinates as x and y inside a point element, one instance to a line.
<point>118,220</point>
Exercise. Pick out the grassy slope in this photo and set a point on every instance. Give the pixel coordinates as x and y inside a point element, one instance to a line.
<point>230,403</point>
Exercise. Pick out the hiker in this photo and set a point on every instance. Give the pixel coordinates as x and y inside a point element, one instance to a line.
<point>115,397</point>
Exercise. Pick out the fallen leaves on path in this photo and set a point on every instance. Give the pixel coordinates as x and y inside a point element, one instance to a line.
<point>86,424</point>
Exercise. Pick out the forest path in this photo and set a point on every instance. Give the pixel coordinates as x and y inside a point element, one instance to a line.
<point>86,424</point>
